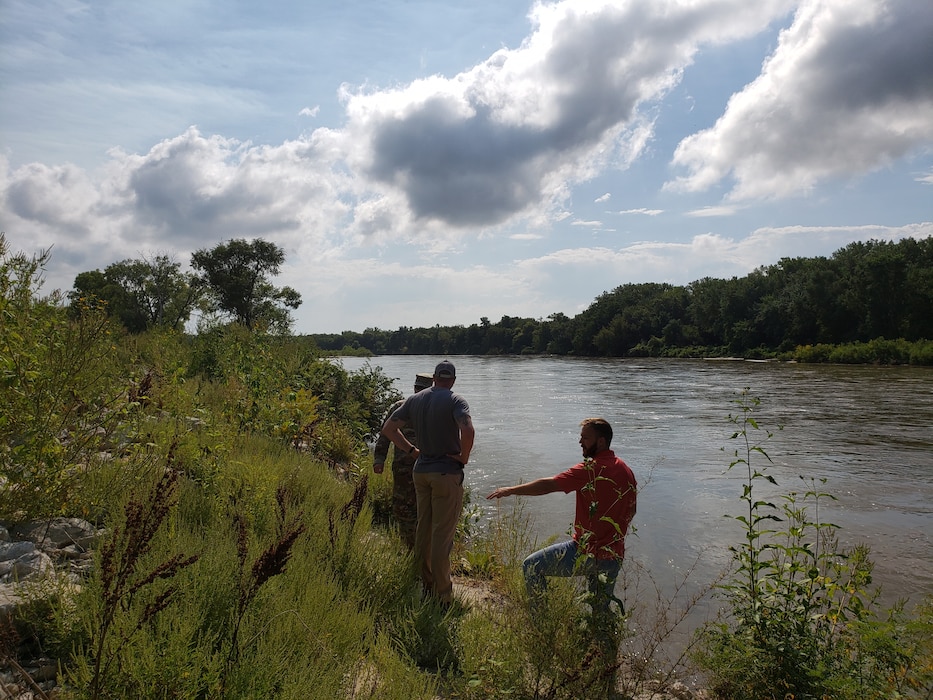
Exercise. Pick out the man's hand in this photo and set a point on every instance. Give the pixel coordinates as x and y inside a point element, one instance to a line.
<point>378,467</point>
<point>500,492</point>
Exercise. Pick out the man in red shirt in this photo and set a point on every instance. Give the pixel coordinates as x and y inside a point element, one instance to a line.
<point>605,490</point>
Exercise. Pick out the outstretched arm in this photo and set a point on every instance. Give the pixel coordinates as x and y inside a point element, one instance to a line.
<point>538,487</point>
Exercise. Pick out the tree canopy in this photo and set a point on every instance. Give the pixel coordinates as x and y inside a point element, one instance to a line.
<point>236,276</point>
<point>865,291</point>
<point>141,294</point>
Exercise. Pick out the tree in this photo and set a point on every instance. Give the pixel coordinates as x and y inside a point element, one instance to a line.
<point>140,294</point>
<point>704,311</point>
<point>236,276</point>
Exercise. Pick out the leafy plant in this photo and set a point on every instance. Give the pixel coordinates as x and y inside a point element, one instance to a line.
<point>61,398</point>
<point>799,607</point>
<point>509,651</point>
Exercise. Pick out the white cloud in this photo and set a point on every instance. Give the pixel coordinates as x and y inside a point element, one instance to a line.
<point>186,193</point>
<point>508,137</point>
<point>526,236</point>
<point>603,198</point>
<point>712,211</point>
<point>425,162</point>
<point>646,212</point>
<point>849,89</point>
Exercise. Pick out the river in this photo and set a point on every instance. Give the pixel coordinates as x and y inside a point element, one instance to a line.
<point>866,430</point>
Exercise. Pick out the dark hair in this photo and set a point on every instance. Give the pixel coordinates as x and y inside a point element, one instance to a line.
<point>601,426</point>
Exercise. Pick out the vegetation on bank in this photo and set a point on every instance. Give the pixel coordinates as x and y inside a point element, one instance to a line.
<point>875,352</point>
<point>867,303</point>
<point>248,551</point>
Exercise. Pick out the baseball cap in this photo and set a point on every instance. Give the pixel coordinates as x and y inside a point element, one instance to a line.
<point>445,370</point>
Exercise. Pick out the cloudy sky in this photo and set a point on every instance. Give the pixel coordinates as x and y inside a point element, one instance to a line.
<point>429,163</point>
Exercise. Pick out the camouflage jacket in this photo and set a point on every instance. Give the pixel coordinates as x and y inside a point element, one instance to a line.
<point>382,444</point>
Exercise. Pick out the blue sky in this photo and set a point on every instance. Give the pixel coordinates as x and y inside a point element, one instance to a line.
<point>429,163</point>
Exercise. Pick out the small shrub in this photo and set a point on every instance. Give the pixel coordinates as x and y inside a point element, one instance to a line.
<point>921,353</point>
<point>813,353</point>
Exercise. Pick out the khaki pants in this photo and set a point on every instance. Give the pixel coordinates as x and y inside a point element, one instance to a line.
<point>440,501</point>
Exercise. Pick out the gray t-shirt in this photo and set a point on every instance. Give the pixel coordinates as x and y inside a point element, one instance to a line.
<point>434,413</point>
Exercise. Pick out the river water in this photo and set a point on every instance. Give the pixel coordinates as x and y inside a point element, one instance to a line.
<point>868,431</point>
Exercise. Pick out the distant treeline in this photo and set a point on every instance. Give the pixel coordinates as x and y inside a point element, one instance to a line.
<point>868,302</point>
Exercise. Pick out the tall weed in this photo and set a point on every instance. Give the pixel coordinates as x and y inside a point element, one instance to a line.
<point>799,609</point>
<point>512,650</point>
<point>132,588</point>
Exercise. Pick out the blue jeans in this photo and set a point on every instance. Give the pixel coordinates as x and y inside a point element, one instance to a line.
<point>559,560</point>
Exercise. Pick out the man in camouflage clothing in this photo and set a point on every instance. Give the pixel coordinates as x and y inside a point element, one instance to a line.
<point>404,504</point>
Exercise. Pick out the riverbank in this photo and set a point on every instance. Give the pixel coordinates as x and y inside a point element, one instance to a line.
<point>481,597</point>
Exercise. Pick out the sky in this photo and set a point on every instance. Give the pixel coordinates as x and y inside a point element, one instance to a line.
<point>424,163</point>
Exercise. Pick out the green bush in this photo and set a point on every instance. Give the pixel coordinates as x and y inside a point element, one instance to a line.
<point>62,399</point>
<point>813,353</point>
<point>279,386</point>
<point>879,351</point>
<point>921,353</point>
<point>234,599</point>
<point>549,652</point>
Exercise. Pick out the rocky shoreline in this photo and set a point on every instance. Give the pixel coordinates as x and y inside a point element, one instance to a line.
<point>37,559</point>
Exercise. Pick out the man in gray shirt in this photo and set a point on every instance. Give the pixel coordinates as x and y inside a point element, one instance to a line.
<point>442,422</point>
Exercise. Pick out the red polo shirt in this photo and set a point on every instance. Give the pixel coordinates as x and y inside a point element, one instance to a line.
<point>606,494</point>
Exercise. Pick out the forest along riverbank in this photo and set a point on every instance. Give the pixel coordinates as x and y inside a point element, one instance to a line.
<point>864,429</point>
